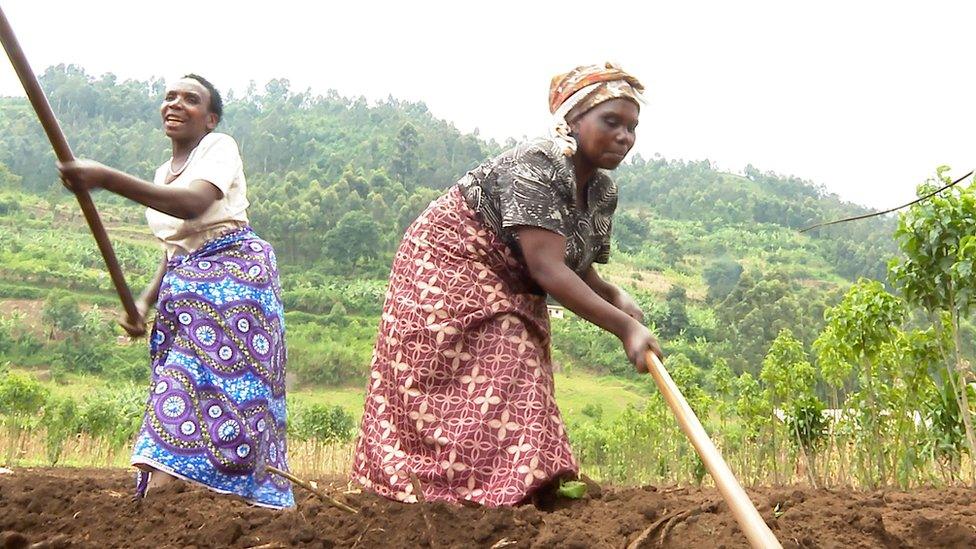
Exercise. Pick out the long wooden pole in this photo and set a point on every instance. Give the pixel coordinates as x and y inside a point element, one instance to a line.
<point>63,151</point>
<point>751,523</point>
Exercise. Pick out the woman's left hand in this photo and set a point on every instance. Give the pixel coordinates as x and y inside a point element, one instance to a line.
<point>135,327</point>
<point>82,175</point>
<point>625,303</point>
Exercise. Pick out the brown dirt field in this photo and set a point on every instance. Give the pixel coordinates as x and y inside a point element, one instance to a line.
<point>33,313</point>
<point>32,310</point>
<point>53,507</point>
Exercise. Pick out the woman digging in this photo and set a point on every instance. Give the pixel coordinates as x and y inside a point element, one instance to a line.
<point>460,396</point>
<point>216,409</point>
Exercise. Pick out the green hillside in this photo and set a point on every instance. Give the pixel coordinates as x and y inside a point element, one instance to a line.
<point>736,294</point>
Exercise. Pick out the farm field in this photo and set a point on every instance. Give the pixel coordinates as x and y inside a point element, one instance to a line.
<point>833,368</point>
<point>65,507</point>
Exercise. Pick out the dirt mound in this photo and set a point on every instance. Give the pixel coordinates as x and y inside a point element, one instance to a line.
<point>93,508</point>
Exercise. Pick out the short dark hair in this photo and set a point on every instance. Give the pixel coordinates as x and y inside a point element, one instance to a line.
<point>216,103</point>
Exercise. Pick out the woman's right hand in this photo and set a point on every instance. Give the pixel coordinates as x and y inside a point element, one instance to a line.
<point>637,340</point>
<point>82,175</point>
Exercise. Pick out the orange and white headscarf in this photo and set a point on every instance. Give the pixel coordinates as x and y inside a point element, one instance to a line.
<point>573,93</point>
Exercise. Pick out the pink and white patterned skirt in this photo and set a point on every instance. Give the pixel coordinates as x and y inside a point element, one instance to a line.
<point>461,387</point>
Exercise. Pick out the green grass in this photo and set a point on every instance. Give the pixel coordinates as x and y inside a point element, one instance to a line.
<point>573,391</point>
<point>612,394</point>
<point>76,386</point>
<point>349,398</point>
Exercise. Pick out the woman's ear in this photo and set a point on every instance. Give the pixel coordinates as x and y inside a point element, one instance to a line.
<point>574,127</point>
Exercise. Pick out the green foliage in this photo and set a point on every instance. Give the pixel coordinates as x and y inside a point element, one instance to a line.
<point>112,418</point>
<point>758,204</point>
<point>690,381</point>
<point>322,423</point>
<point>60,421</point>
<point>760,307</point>
<point>9,181</point>
<point>331,354</point>
<point>805,418</point>
<point>786,372</point>
<point>62,311</point>
<point>834,357</point>
<point>936,273</point>
<point>572,489</point>
<point>21,396</point>
<point>935,237</point>
<point>949,441</point>
<point>865,318</point>
<point>353,239</point>
<point>593,411</point>
<point>404,165</point>
<point>721,276</point>
<point>676,320</point>
<point>630,232</point>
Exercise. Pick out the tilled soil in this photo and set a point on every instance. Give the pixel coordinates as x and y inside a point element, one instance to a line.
<point>62,507</point>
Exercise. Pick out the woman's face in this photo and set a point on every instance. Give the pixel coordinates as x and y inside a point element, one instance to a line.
<point>606,133</point>
<point>186,110</point>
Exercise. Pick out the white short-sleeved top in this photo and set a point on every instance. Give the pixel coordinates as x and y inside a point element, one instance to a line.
<point>215,159</point>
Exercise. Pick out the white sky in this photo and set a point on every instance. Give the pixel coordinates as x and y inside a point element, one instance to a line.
<point>865,97</point>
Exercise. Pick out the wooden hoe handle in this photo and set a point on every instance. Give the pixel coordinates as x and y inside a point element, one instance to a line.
<point>751,523</point>
<point>61,149</point>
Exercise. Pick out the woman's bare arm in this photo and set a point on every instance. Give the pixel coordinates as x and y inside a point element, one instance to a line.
<point>180,202</point>
<point>543,253</point>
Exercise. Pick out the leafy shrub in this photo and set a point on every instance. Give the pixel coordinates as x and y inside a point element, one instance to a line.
<point>323,423</point>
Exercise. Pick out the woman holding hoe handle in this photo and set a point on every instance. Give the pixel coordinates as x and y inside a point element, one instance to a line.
<point>216,409</point>
<point>461,390</point>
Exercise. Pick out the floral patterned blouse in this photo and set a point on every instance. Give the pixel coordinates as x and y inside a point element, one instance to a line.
<point>534,184</point>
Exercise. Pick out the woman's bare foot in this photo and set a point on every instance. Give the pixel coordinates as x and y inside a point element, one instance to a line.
<point>158,479</point>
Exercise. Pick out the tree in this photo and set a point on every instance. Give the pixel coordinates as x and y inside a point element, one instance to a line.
<point>8,179</point>
<point>353,240</point>
<point>677,318</point>
<point>867,321</point>
<point>752,410</point>
<point>937,272</point>
<point>763,304</point>
<point>790,381</point>
<point>721,276</point>
<point>404,165</point>
<point>61,312</point>
<point>671,246</point>
<point>629,232</point>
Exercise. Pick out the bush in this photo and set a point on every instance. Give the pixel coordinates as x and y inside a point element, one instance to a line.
<point>21,397</point>
<point>593,411</point>
<point>330,354</point>
<point>322,423</point>
<point>82,355</point>
<point>113,418</point>
<point>60,421</point>
<point>61,311</point>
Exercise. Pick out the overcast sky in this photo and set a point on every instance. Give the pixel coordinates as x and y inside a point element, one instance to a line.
<point>865,97</point>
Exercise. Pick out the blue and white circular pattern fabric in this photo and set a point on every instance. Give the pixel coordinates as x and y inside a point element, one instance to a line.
<point>216,412</point>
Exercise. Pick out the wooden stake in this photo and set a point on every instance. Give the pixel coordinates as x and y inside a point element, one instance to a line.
<point>750,521</point>
<point>308,486</point>
<point>421,500</point>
